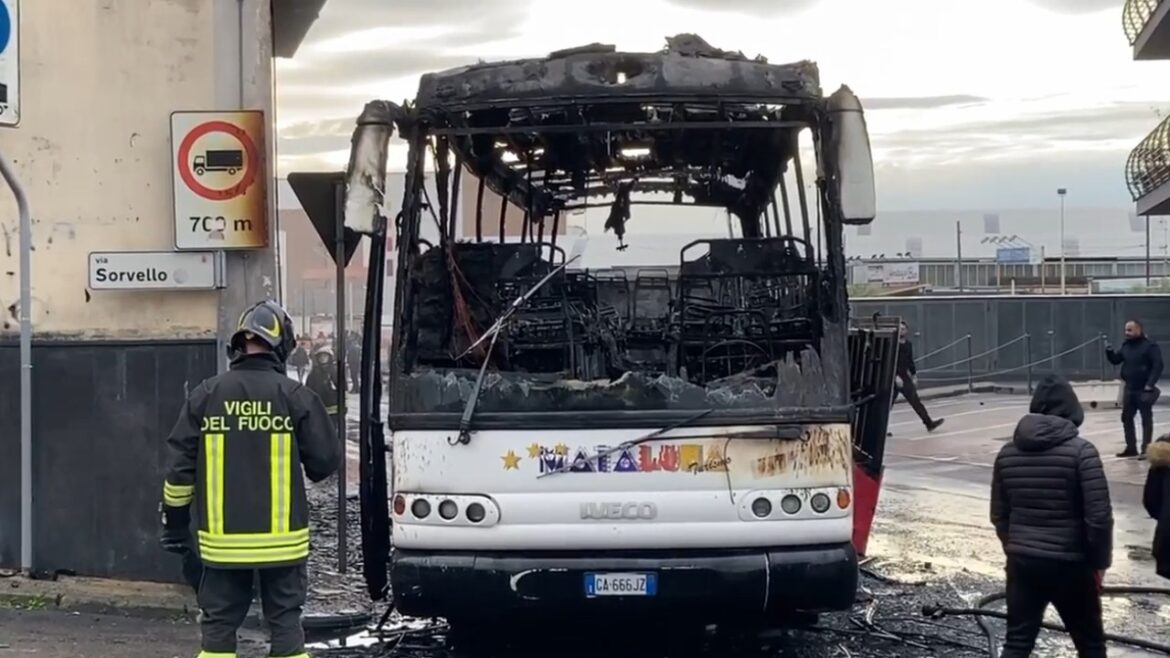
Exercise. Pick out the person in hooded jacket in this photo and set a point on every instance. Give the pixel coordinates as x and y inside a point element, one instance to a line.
<point>1051,510</point>
<point>1156,499</point>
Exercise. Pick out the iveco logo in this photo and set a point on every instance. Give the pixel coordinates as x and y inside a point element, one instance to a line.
<point>632,511</point>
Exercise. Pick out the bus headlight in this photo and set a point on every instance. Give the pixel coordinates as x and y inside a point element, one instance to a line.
<point>420,508</point>
<point>797,504</point>
<point>820,503</point>
<point>475,513</point>
<point>790,504</point>
<point>761,507</point>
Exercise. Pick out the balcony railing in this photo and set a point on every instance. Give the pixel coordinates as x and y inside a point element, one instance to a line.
<point>1135,16</point>
<point>1148,166</point>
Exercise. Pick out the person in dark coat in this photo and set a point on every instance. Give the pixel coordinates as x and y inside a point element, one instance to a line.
<point>1051,510</point>
<point>299,360</point>
<point>353,360</point>
<point>906,379</point>
<point>322,380</point>
<point>1156,499</point>
<point>1141,367</point>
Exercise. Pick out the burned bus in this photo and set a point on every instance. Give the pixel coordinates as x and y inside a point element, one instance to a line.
<point>565,438</point>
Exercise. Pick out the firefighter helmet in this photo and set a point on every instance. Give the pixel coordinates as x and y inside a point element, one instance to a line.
<point>270,324</point>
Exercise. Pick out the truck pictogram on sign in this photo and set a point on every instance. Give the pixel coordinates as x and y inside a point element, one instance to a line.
<point>221,193</point>
<point>229,161</point>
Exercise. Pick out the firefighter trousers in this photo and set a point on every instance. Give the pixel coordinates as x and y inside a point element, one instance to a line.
<point>225,596</point>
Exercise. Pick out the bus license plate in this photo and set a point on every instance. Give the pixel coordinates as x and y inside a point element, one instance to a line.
<point>620,584</point>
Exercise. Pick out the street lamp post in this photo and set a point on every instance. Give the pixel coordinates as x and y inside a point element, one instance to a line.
<point>1061,192</point>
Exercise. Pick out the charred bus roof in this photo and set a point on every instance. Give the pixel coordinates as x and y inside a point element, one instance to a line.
<point>708,126</point>
<point>687,70</point>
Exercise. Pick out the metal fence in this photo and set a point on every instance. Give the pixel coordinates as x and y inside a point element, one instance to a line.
<point>970,340</point>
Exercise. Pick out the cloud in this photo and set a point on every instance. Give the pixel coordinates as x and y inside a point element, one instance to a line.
<point>1040,136</point>
<point>919,102</point>
<point>1079,6</point>
<point>747,6</point>
<point>473,20</point>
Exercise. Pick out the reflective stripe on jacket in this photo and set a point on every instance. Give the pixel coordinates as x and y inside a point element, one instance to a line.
<point>240,450</point>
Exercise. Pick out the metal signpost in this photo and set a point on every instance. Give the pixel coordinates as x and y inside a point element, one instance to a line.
<point>220,188</point>
<point>156,270</point>
<point>10,116</point>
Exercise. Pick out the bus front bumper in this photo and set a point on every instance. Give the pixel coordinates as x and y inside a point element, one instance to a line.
<point>704,585</point>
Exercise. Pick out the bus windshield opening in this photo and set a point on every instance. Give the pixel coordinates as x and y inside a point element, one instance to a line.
<point>601,233</point>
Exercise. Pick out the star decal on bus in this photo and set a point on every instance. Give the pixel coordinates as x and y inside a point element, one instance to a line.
<point>511,461</point>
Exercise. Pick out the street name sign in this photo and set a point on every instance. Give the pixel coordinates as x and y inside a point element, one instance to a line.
<point>220,180</point>
<point>155,270</point>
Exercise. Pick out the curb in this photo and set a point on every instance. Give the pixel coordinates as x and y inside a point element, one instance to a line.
<point>100,596</point>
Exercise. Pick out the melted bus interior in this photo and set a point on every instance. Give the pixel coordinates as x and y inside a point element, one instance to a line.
<point>736,323</point>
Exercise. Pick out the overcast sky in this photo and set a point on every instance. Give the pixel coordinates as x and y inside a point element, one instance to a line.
<point>972,104</point>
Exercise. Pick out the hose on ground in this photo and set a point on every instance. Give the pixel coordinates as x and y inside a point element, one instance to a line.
<point>981,614</point>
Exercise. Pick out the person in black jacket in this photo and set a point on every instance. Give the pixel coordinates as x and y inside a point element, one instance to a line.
<point>906,379</point>
<point>242,446</point>
<point>323,381</point>
<point>1051,510</point>
<point>1141,367</point>
<point>299,360</point>
<point>1156,499</point>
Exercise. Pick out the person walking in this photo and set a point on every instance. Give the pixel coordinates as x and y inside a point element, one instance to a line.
<point>1141,367</point>
<point>299,359</point>
<point>1156,499</point>
<point>906,379</point>
<point>1051,510</point>
<point>242,445</point>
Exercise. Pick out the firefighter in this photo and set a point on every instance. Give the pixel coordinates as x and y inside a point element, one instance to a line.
<point>322,379</point>
<point>238,449</point>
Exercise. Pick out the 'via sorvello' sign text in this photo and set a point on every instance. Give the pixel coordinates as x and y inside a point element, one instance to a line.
<point>155,270</point>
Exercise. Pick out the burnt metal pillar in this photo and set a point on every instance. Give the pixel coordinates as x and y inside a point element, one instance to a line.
<point>339,328</point>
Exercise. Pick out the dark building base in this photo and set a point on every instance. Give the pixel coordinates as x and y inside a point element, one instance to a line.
<point>101,415</point>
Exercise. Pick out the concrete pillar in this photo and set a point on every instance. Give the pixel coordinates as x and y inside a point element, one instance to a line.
<point>244,80</point>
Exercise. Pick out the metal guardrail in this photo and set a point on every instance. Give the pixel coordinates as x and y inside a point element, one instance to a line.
<point>1148,166</point>
<point>1135,16</point>
<point>1026,368</point>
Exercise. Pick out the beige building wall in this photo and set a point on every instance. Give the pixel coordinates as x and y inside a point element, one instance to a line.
<point>100,79</point>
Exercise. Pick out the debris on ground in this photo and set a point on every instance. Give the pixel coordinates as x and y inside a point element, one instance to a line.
<point>330,591</point>
<point>886,622</point>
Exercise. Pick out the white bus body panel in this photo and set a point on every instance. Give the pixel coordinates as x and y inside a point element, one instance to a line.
<point>699,483</point>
